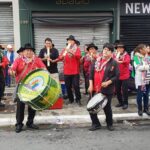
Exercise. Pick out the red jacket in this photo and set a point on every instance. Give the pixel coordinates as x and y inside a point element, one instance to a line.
<point>71,64</point>
<point>19,65</point>
<point>124,67</point>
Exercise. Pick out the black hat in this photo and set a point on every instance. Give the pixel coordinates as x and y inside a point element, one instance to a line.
<point>71,37</point>
<point>77,42</point>
<point>28,46</point>
<point>109,46</point>
<point>20,50</point>
<point>92,45</point>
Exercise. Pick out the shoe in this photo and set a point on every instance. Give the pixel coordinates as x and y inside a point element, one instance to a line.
<point>1,104</point>
<point>125,106</point>
<point>119,105</point>
<point>67,103</point>
<point>110,128</point>
<point>140,113</point>
<point>147,112</point>
<point>95,127</point>
<point>33,126</point>
<point>18,128</point>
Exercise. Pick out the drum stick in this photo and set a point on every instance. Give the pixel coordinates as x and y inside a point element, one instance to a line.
<point>118,55</point>
<point>48,54</point>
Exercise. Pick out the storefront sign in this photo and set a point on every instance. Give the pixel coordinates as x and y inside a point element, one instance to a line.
<point>136,8</point>
<point>72,2</point>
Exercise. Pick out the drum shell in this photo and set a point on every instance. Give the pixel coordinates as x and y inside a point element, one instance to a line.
<point>47,97</point>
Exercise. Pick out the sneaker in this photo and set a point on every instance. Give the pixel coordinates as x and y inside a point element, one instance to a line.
<point>110,128</point>
<point>119,105</point>
<point>95,127</point>
<point>147,112</point>
<point>140,113</point>
<point>125,106</point>
<point>33,126</point>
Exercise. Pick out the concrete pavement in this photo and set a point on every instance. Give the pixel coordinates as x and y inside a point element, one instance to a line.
<point>69,114</point>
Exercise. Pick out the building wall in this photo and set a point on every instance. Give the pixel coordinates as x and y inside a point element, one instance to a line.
<point>26,8</point>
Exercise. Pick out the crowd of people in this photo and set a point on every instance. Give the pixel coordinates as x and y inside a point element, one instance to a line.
<point>107,72</point>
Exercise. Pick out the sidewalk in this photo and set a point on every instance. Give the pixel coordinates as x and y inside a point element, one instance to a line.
<point>69,114</point>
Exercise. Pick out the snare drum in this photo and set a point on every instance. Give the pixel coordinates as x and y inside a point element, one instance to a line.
<point>96,103</point>
<point>39,90</point>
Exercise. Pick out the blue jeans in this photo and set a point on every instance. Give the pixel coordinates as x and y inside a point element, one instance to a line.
<point>7,78</point>
<point>142,96</point>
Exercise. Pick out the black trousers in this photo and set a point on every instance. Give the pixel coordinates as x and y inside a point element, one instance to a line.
<point>86,81</point>
<point>72,83</point>
<point>122,91</point>
<point>20,114</point>
<point>108,113</point>
<point>2,84</point>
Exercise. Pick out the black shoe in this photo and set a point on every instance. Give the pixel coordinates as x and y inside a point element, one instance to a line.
<point>125,106</point>
<point>33,126</point>
<point>140,113</point>
<point>18,128</point>
<point>119,105</point>
<point>110,128</point>
<point>147,112</point>
<point>1,104</point>
<point>3,98</point>
<point>95,127</point>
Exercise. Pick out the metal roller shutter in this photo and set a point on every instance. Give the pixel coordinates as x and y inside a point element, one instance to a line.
<point>99,34</point>
<point>135,30</point>
<point>6,24</point>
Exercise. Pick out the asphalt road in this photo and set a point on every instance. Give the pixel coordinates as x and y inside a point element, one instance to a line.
<point>125,137</point>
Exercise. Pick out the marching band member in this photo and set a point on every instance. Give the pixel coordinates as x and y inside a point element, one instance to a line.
<point>71,58</point>
<point>21,67</point>
<point>123,60</point>
<point>3,63</point>
<point>48,54</point>
<point>104,72</point>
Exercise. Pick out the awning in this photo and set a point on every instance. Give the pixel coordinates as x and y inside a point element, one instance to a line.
<point>72,18</point>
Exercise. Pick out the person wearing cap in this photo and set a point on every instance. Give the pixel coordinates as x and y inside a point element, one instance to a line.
<point>123,60</point>
<point>53,55</point>
<point>104,72</point>
<point>3,64</point>
<point>25,64</point>
<point>11,56</point>
<point>87,60</point>
<point>71,59</point>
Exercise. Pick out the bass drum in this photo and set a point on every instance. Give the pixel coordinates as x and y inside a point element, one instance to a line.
<point>96,103</point>
<point>39,90</point>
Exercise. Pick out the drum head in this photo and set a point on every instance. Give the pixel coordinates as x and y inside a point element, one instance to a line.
<point>98,99</point>
<point>33,85</point>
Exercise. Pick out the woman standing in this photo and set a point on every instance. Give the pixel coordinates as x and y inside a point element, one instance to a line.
<point>141,68</point>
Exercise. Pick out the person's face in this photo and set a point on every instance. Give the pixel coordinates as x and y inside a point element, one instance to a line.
<point>10,49</point>
<point>107,53</point>
<point>48,44</point>
<point>148,49</point>
<point>28,53</point>
<point>72,42</point>
<point>92,50</point>
<point>120,49</point>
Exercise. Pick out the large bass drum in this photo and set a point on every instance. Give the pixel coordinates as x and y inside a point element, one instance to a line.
<point>39,90</point>
<point>96,103</point>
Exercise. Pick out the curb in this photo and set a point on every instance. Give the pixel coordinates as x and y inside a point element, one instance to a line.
<point>74,119</point>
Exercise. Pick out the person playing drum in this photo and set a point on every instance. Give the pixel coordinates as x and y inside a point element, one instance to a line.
<point>20,68</point>
<point>103,74</point>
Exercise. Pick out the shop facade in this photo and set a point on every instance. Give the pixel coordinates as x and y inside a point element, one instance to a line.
<point>88,20</point>
<point>9,23</point>
<point>134,22</point>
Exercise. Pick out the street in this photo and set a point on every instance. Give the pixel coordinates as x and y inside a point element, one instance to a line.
<point>125,137</point>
